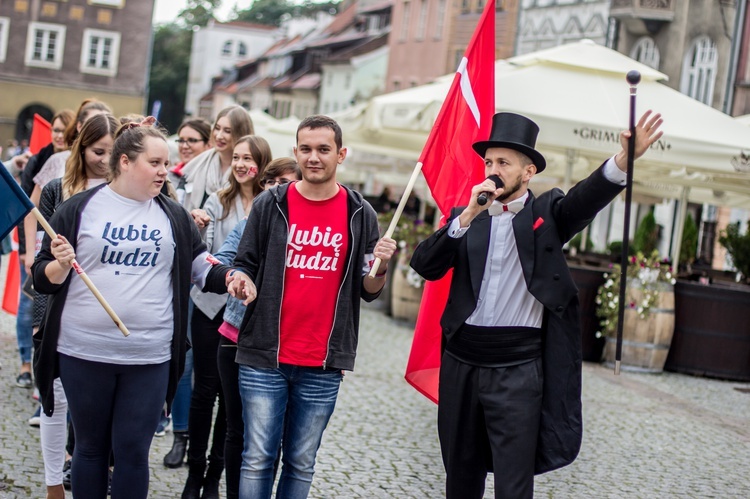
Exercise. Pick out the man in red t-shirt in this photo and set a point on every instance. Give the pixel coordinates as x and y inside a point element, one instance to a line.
<point>302,269</point>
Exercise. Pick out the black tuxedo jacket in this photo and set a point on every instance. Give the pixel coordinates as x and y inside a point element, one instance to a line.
<point>541,229</point>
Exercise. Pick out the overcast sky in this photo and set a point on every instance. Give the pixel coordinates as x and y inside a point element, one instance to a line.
<point>166,10</point>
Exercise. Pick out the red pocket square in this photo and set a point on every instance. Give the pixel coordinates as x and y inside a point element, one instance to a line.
<point>538,223</point>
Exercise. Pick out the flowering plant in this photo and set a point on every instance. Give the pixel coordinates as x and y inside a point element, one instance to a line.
<point>646,274</point>
<point>409,232</point>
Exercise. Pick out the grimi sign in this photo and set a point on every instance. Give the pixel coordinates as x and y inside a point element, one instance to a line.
<point>606,136</point>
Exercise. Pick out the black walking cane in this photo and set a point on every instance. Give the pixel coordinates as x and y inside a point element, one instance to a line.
<point>633,77</point>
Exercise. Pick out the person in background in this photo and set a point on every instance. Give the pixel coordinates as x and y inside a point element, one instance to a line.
<point>24,329</point>
<point>278,172</point>
<point>302,266</point>
<point>194,137</point>
<point>143,250</point>
<point>225,210</point>
<point>209,172</point>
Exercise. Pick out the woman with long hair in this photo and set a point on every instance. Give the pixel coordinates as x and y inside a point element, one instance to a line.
<point>279,171</point>
<point>24,319</point>
<point>225,210</point>
<point>209,172</point>
<point>87,166</point>
<point>143,250</point>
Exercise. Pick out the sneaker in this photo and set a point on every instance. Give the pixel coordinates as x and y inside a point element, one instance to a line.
<point>36,419</point>
<point>35,395</point>
<point>165,425</point>
<point>24,380</point>
<point>66,474</point>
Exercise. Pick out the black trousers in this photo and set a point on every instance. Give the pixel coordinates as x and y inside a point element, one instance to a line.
<point>206,388</point>
<point>488,420</point>
<point>229,371</point>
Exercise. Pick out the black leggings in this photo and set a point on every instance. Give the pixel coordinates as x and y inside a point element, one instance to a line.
<point>207,386</point>
<point>114,408</point>
<point>229,371</point>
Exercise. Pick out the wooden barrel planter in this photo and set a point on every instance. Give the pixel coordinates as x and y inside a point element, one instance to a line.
<point>712,332</point>
<point>645,342</point>
<point>405,298</point>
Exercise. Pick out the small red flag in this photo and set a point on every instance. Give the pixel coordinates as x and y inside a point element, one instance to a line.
<point>452,168</point>
<point>12,292</point>
<point>41,134</point>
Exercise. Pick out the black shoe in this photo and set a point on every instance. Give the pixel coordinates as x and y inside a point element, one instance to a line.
<point>176,456</point>
<point>24,380</point>
<point>67,471</point>
<point>193,487</point>
<point>210,488</point>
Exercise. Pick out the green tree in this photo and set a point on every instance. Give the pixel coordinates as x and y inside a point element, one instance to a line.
<point>170,63</point>
<point>198,12</point>
<point>646,235</point>
<point>738,247</point>
<point>273,12</point>
<point>689,245</point>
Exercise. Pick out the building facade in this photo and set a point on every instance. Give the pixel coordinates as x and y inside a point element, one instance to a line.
<point>54,54</point>
<point>218,47</point>
<point>545,24</point>
<point>429,37</point>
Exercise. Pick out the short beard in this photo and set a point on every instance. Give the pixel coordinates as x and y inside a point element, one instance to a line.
<point>508,192</point>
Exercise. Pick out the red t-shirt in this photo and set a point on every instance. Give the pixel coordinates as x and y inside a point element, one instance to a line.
<point>317,246</point>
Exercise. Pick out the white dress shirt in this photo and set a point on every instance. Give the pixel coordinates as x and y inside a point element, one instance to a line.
<point>504,299</point>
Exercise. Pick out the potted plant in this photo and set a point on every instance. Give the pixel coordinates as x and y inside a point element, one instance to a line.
<point>738,247</point>
<point>649,314</point>
<point>406,284</point>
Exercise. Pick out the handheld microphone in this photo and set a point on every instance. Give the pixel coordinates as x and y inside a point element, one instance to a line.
<point>482,198</point>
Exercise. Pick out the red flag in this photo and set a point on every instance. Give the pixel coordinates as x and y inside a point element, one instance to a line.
<point>12,291</point>
<point>452,168</point>
<point>41,134</point>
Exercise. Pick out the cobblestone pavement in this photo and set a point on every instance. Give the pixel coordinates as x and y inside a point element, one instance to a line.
<point>646,436</point>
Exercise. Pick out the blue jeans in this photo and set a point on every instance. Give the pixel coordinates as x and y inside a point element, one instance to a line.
<point>288,406</point>
<point>23,322</point>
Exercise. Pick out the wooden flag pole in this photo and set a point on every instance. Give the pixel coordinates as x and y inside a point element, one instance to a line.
<point>79,270</point>
<point>633,77</point>
<point>397,214</point>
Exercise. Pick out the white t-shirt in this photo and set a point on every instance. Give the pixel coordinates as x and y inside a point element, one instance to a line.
<point>127,249</point>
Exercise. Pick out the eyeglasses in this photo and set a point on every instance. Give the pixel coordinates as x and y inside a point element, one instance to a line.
<point>56,131</point>
<point>273,181</point>
<point>189,141</point>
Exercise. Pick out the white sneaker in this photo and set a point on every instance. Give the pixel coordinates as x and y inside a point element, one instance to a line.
<point>36,419</point>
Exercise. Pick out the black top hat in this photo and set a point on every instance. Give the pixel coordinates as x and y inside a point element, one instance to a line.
<point>516,132</point>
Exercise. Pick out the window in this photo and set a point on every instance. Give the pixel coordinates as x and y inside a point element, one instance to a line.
<point>101,52</point>
<point>405,21</point>
<point>480,6</point>
<point>242,50</point>
<point>4,27</point>
<point>699,70</point>
<point>645,51</point>
<point>396,85</point>
<point>440,20</point>
<point>422,24</point>
<point>45,44</point>
<point>226,50</point>
<point>465,6</point>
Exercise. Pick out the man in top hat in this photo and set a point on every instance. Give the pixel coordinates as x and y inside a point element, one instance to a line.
<point>510,378</point>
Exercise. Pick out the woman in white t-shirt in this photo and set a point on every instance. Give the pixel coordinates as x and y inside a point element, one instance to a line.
<point>142,250</point>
